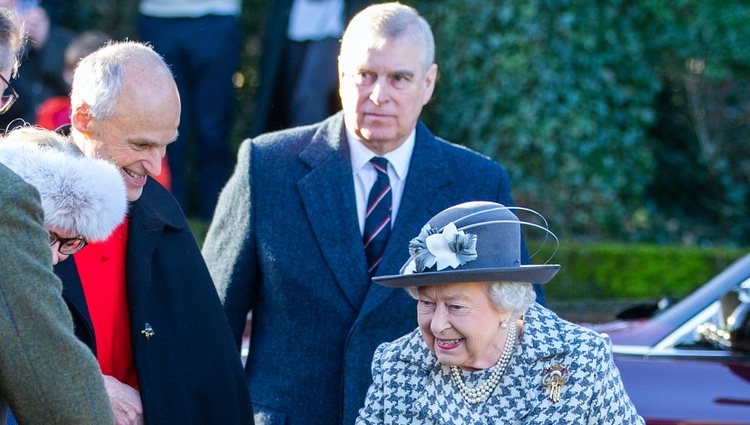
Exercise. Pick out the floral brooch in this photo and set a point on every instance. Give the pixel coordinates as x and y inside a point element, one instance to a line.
<point>444,248</point>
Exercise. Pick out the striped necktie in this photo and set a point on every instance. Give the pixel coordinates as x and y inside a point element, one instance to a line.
<point>377,216</point>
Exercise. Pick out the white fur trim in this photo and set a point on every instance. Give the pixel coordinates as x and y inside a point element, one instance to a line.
<point>80,195</point>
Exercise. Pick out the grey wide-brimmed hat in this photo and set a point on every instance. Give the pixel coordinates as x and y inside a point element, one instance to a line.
<point>470,242</point>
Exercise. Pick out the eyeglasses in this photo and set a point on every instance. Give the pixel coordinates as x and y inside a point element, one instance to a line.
<point>67,246</point>
<point>7,99</point>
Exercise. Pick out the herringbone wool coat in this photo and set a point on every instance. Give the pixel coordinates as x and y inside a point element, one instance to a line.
<point>411,387</point>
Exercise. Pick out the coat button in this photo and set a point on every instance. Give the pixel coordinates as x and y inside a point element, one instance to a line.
<point>148,332</point>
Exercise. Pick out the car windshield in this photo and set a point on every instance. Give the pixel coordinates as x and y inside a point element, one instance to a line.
<point>708,328</point>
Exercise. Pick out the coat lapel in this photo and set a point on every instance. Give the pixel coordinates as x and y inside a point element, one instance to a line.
<point>145,225</point>
<point>73,293</point>
<point>424,196</point>
<point>331,208</point>
<point>541,344</point>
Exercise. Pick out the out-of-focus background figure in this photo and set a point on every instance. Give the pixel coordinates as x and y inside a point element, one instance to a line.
<point>43,60</point>
<point>200,41</point>
<point>54,112</point>
<point>298,74</point>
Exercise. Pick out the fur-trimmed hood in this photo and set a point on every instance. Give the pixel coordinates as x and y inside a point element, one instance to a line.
<point>80,195</point>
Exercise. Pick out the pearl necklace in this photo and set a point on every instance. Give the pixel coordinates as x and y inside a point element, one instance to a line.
<point>480,393</point>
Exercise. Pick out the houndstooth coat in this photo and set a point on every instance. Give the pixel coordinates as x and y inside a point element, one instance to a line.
<point>410,386</point>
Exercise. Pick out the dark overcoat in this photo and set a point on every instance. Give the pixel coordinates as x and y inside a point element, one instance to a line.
<point>189,371</point>
<point>285,243</point>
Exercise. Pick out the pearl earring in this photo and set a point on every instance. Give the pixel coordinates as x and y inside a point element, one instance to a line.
<point>504,324</point>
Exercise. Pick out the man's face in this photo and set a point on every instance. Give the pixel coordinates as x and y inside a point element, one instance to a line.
<point>383,91</point>
<point>135,138</point>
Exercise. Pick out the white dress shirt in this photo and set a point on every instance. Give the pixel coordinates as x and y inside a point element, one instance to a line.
<point>364,173</point>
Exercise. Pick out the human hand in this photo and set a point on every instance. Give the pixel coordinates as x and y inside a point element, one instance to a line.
<point>125,401</point>
<point>36,23</point>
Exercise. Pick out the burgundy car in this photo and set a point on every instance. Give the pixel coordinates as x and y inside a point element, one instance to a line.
<point>689,363</point>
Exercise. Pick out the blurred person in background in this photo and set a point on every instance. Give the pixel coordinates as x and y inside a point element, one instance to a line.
<point>298,75</point>
<point>54,112</point>
<point>43,59</point>
<point>200,41</point>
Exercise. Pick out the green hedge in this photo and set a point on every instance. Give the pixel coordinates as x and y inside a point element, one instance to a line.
<point>633,271</point>
<point>559,93</point>
<point>607,271</point>
<point>618,120</point>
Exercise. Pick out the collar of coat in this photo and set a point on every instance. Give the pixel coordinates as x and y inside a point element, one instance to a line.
<point>158,208</point>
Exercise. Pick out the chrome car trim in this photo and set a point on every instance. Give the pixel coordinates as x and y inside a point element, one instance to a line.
<point>645,351</point>
<point>631,350</point>
<point>672,339</point>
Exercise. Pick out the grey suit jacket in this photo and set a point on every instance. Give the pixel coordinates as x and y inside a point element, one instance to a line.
<point>46,375</point>
<point>285,243</point>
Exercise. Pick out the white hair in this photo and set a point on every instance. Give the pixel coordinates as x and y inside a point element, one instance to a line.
<point>510,297</point>
<point>11,38</point>
<point>98,77</point>
<point>379,23</point>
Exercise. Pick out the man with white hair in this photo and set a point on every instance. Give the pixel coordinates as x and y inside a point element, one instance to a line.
<point>311,214</point>
<point>143,300</point>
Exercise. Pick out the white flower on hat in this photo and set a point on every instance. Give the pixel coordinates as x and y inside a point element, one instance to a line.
<point>446,247</point>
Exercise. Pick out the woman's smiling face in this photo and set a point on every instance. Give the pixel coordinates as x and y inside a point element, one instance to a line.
<point>461,324</point>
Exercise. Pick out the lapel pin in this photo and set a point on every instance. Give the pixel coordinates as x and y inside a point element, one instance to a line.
<point>553,380</point>
<point>148,332</point>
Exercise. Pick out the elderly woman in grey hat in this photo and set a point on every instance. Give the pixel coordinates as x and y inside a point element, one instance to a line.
<point>83,199</point>
<point>484,352</point>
